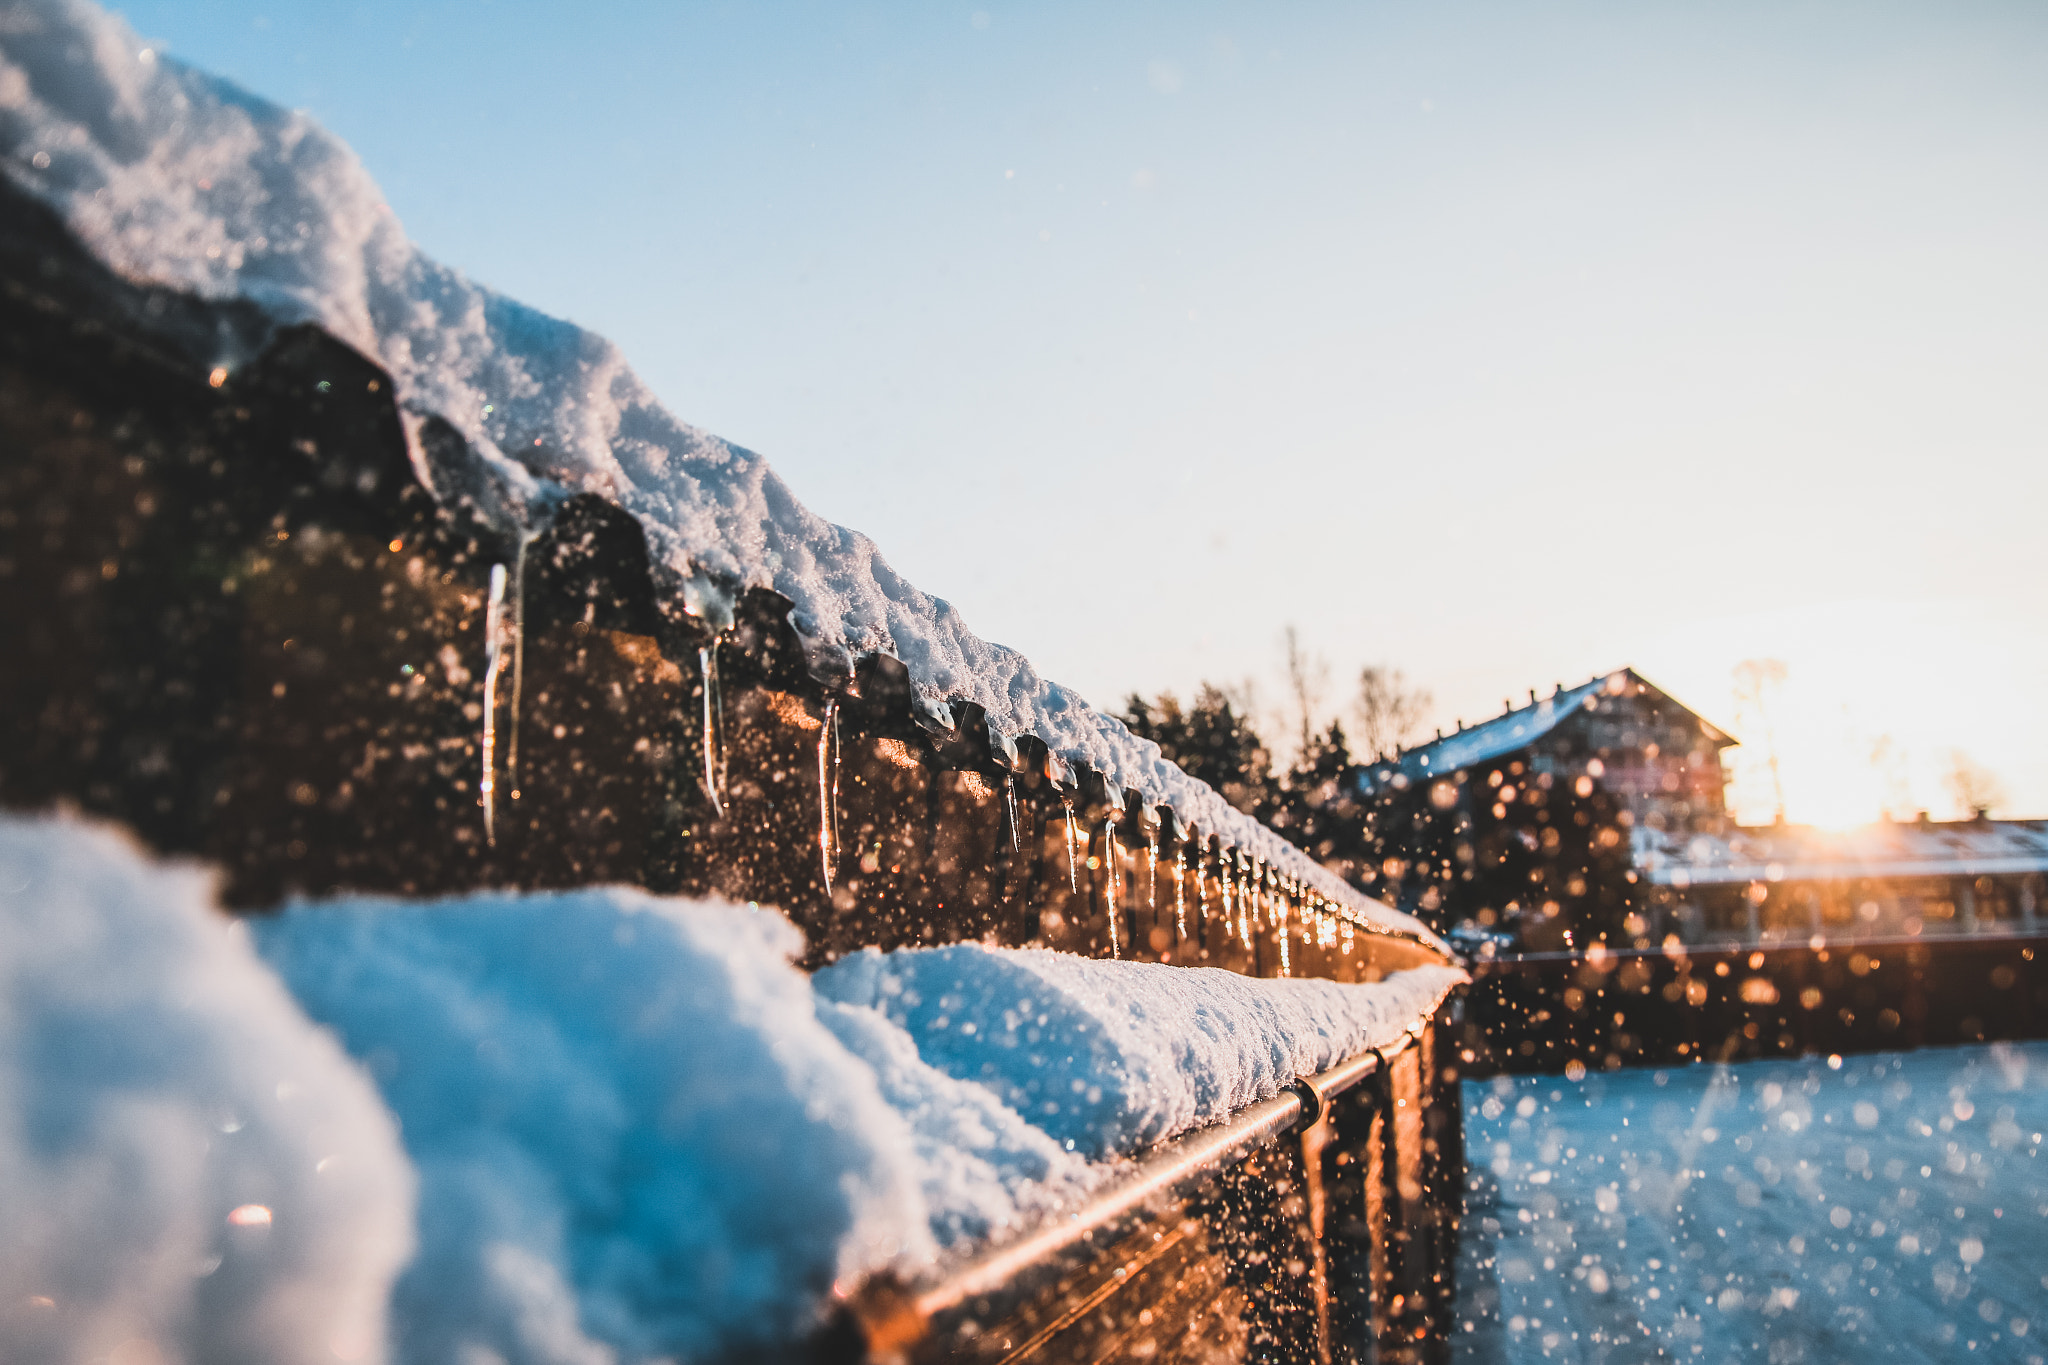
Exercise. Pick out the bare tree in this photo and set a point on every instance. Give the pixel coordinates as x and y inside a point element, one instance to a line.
<point>1389,710</point>
<point>1974,787</point>
<point>1757,684</point>
<point>1308,679</point>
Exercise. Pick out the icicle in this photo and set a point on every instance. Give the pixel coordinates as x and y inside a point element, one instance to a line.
<point>1109,861</point>
<point>516,601</point>
<point>1152,873</point>
<point>1344,937</point>
<point>714,726</point>
<point>1180,897</point>
<point>494,664</point>
<point>828,790</point>
<point>1247,912</point>
<point>1224,883</point>
<point>1073,874</point>
<point>1280,927</point>
<point>1223,894</point>
<point>1010,813</point>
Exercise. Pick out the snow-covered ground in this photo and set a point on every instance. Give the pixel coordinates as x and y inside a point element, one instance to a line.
<point>1894,1207</point>
<point>614,1127</point>
<point>174,177</point>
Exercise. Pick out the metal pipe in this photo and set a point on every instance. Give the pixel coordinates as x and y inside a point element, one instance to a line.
<point>1171,1169</point>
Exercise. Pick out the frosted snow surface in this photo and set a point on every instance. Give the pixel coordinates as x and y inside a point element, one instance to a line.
<point>1888,1206</point>
<point>1107,1056</point>
<point>174,177</point>
<point>190,1171</point>
<point>635,1128</point>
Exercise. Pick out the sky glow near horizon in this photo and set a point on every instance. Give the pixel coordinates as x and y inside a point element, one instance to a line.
<point>1504,345</point>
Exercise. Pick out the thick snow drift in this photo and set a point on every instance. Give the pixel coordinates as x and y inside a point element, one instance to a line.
<point>636,1128</point>
<point>1108,1056</point>
<point>173,177</point>
<point>189,1170</point>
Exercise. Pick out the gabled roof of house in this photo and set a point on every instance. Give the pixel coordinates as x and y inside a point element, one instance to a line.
<point>1519,727</point>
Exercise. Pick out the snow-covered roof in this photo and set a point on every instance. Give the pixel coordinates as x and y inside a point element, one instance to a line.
<point>1519,727</point>
<point>176,178</point>
<point>1801,853</point>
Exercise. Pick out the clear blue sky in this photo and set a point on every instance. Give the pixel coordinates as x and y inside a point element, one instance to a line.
<point>1503,343</point>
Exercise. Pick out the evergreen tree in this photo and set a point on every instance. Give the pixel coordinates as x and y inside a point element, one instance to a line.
<point>1319,810</point>
<point>1210,741</point>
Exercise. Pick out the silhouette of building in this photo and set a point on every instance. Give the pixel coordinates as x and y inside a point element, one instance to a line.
<point>1527,822</point>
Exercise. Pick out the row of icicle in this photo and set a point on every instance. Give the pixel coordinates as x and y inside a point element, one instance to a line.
<point>1254,895</point>
<point>505,636</point>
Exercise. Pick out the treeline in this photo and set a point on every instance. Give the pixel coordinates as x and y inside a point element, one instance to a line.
<point>1314,801</point>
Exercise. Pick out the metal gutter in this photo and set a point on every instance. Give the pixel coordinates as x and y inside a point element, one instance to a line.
<point>892,1316</point>
<point>1733,949</point>
<point>1681,875</point>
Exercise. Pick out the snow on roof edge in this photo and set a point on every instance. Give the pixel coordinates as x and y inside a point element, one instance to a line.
<point>178,178</point>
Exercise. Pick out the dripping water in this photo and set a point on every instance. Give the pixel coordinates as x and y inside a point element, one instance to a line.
<point>828,791</point>
<point>713,778</point>
<point>494,664</point>
<point>1280,932</point>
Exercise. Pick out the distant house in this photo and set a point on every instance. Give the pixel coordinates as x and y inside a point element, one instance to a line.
<point>1596,814</point>
<point>1527,821</point>
<point>1622,731</point>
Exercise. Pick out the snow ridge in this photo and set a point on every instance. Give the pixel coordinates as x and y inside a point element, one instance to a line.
<point>177,178</point>
<point>1109,1056</point>
<point>636,1131</point>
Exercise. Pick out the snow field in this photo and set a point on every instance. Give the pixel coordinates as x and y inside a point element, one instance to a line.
<point>1891,1206</point>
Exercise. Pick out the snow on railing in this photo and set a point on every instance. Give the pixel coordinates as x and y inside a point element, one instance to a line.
<point>634,1127</point>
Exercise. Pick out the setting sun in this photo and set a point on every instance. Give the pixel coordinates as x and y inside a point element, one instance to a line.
<point>1847,711</point>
